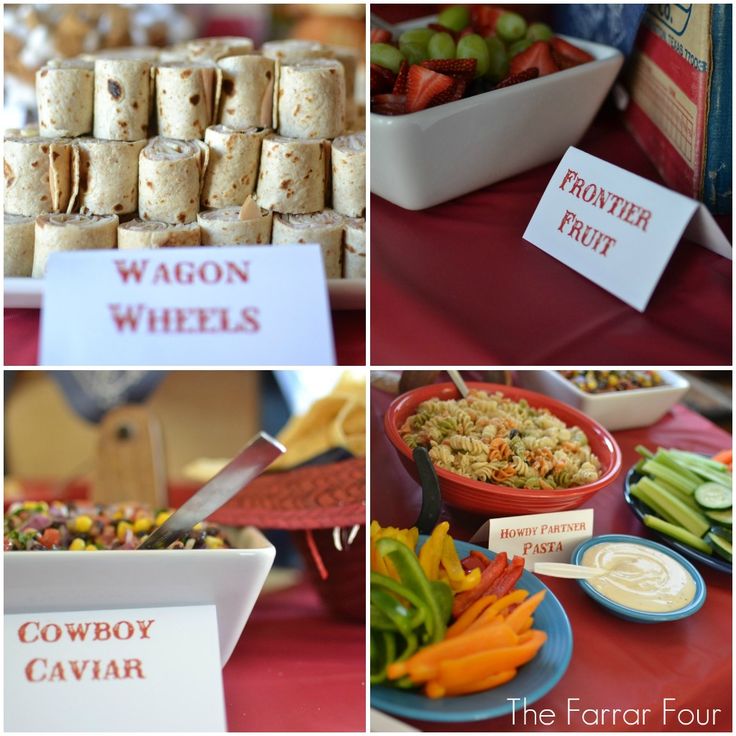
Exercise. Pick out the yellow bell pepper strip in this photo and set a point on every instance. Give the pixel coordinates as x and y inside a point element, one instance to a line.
<point>487,578</point>
<point>517,618</point>
<point>450,561</point>
<point>431,552</point>
<point>469,616</point>
<point>412,576</point>
<point>434,690</point>
<point>498,608</point>
<point>425,664</point>
<point>463,671</point>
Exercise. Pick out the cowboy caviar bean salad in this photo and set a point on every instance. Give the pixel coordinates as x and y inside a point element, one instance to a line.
<point>448,626</point>
<point>37,525</point>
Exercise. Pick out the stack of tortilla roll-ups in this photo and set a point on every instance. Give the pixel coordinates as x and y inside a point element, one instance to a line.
<point>209,142</point>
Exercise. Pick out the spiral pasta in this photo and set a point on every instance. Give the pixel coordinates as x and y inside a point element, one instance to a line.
<point>490,438</point>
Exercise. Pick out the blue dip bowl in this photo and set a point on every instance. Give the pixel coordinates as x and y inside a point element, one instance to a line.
<point>631,614</point>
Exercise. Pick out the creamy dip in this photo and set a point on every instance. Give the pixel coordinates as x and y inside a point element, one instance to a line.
<point>640,577</point>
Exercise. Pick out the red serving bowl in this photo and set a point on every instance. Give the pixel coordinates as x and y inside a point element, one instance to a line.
<point>492,499</point>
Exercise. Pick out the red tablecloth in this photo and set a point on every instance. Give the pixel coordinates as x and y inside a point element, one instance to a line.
<point>615,663</point>
<point>457,283</point>
<point>296,668</point>
<point>22,329</point>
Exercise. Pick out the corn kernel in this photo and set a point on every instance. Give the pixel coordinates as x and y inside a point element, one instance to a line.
<point>91,548</point>
<point>77,545</point>
<point>162,516</point>
<point>117,515</point>
<point>213,543</point>
<point>142,525</point>
<point>82,524</point>
<point>197,527</point>
<point>123,528</point>
<point>40,506</point>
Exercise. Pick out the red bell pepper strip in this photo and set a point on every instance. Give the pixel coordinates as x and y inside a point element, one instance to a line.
<point>505,582</point>
<point>487,578</point>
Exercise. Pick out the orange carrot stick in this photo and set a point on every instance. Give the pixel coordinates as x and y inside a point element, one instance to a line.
<point>469,615</point>
<point>498,608</point>
<point>434,689</point>
<point>517,617</point>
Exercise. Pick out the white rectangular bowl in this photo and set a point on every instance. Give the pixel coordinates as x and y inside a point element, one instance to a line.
<point>616,410</point>
<point>424,158</point>
<point>231,579</point>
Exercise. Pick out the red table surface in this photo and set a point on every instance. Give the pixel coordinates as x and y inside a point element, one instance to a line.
<point>615,663</point>
<point>457,283</point>
<point>296,668</point>
<point>22,331</point>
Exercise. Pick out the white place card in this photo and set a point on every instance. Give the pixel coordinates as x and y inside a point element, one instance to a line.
<point>254,305</point>
<point>537,537</point>
<point>146,669</point>
<point>616,228</point>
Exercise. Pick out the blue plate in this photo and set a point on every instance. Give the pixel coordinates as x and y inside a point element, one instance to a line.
<point>631,614</point>
<point>640,509</point>
<point>534,680</point>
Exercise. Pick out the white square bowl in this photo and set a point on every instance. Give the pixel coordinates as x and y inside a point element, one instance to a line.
<point>424,158</point>
<point>639,407</point>
<point>41,582</point>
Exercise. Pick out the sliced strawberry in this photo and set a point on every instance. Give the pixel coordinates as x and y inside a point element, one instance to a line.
<point>524,76</point>
<point>458,90</point>
<point>571,53</point>
<point>389,104</point>
<point>382,79</point>
<point>563,62</point>
<point>380,35</point>
<point>401,79</point>
<point>537,55</point>
<point>483,18</point>
<point>426,88</point>
<point>455,68</point>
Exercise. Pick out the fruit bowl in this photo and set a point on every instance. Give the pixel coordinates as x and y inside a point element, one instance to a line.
<point>488,498</point>
<point>424,158</point>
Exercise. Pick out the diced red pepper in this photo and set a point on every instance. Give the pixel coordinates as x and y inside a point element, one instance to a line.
<point>50,537</point>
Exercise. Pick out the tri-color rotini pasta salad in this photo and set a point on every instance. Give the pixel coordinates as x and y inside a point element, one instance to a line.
<point>490,438</point>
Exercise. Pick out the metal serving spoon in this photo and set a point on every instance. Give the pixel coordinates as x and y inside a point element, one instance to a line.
<point>249,463</point>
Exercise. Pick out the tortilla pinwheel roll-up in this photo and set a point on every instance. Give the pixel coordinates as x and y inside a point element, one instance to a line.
<point>232,171</point>
<point>294,50</point>
<point>212,49</point>
<point>247,91</point>
<point>108,176</point>
<point>247,225</point>
<point>187,95</point>
<point>293,175</point>
<point>311,99</point>
<point>148,234</point>
<point>38,175</point>
<point>324,228</point>
<point>348,175</point>
<point>353,256</point>
<point>169,175</point>
<point>122,99</point>
<point>18,236</point>
<point>57,233</point>
<point>65,92</point>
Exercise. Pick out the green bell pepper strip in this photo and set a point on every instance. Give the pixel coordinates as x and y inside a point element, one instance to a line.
<point>380,621</point>
<point>386,653</point>
<point>393,610</point>
<point>412,576</point>
<point>420,609</point>
<point>444,596</point>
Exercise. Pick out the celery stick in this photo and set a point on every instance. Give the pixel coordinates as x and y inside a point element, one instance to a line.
<point>677,533</point>
<point>696,460</point>
<point>684,497</point>
<point>638,492</point>
<point>645,452</point>
<point>662,472</point>
<point>686,517</point>
<point>725,479</point>
<point>666,458</point>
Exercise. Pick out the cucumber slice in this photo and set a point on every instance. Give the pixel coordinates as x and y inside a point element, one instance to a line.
<point>714,497</point>
<point>724,532</point>
<point>721,546</point>
<point>677,532</point>
<point>724,518</point>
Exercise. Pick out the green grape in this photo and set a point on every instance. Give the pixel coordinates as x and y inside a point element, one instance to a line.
<point>441,46</point>
<point>518,46</point>
<point>539,32</point>
<point>387,56</point>
<point>474,46</point>
<point>414,53</point>
<point>455,18</point>
<point>419,36</point>
<point>498,61</point>
<point>511,27</point>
